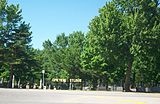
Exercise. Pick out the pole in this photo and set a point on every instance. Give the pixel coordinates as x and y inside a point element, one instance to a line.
<point>43,80</point>
<point>43,71</point>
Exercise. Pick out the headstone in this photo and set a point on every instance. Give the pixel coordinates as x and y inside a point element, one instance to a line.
<point>44,88</point>
<point>20,86</point>
<point>19,83</point>
<point>54,88</point>
<point>27,86</point>
<point>13,82</point>
<point>40,84</point>
<point>35,86</point>
<point>49,87</point>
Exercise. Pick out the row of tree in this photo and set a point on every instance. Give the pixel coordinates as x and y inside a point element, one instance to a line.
<point>121,46</point>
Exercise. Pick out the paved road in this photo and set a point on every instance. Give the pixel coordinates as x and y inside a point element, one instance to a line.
<point>19,96</point>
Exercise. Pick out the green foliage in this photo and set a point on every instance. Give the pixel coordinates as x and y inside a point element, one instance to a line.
<point>16,56</point>
<point>125,35</point>
<point>61,59</point>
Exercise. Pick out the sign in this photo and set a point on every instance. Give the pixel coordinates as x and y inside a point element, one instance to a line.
<point>43,71</point>
<point>65,80</point>
<point>75,80</point>
<point>59,80</point>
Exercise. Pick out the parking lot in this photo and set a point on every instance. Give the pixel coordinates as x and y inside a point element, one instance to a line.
<point>29,96</point>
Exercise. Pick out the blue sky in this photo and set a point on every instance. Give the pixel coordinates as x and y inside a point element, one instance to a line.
<point>49,18</point>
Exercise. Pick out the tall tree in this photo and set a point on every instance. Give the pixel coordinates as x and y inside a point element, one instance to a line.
<point>123,33</point>
<point>53,56</point>
<point>15,36</point>
<point>74,50</point>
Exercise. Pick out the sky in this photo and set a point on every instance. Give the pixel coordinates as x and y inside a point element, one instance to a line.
<point>49,18</point>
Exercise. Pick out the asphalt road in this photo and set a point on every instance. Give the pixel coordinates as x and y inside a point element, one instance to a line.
<point>24,96</point>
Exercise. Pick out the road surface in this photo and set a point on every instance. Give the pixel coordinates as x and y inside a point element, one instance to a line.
<point>24,96</point>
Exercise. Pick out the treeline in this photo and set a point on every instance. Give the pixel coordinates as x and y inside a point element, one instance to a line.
<point>122,46</point>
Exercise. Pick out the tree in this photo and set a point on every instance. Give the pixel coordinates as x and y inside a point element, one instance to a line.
<point>62,57</point>
<point>100,55</point>
<point>53,58</point>
<point>15,37</point>
<point>141,20</point>
<point>146,47</point>
<point>118,37</point>
<point>73,52</point>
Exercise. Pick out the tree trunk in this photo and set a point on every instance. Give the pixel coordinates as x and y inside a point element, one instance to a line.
<point>107,86</point>
<point>128,75</point>
<point>11,77</point>
<point>94,84</point>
